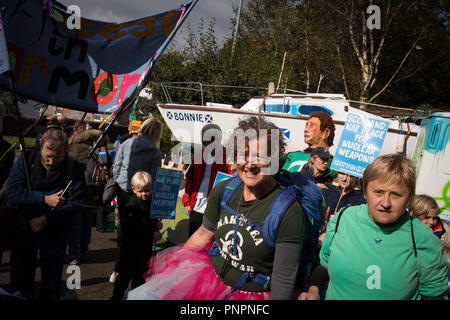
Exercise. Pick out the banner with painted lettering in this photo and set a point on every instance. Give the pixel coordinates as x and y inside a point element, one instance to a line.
<point>360,144</point>
<point>165,193</point>
<point>64,60</point>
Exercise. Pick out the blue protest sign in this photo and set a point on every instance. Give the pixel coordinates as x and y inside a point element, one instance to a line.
<point>165,193</point>
<point>221,176</point>
<point>360,144</point>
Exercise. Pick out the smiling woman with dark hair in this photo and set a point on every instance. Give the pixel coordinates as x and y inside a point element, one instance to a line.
<point>240,265</point>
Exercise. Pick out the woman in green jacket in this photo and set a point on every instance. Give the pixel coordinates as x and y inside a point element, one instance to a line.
<point>377,250</point>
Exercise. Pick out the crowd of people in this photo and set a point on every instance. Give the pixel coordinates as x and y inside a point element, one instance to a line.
<point>247,234</point>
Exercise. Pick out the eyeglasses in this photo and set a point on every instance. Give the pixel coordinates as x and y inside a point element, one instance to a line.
<point>55,158</point>
<point>244,158</point>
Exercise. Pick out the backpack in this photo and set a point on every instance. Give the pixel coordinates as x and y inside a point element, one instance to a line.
<point>98,171</point>
<point>297,187</point>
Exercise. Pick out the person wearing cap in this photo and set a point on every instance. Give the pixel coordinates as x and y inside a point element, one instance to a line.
<point>316,169</point>
<point>319,132</point>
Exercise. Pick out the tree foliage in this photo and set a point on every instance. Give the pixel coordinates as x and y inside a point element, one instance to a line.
<point>326,46</point>
<point>319,46</point>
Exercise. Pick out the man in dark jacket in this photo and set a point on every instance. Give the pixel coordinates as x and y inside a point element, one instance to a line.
<point>48,210</point>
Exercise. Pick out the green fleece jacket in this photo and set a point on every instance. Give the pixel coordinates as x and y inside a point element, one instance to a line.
<point>367,262</point>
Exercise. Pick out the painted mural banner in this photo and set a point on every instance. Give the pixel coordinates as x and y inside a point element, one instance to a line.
<point>93,68</point>
<point>360,144</point>
<point>165,193</point>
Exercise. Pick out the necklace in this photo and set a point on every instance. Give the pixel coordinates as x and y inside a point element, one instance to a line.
<point>248,211</point>
<point>232,247</point>
<point>240,217</point>
<point>377,239</point>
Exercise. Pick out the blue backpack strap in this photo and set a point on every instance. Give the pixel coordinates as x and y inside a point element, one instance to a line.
<point>280,204</point>
<point>229,191</point>
<point>238,218</point>
<point>214,250</point>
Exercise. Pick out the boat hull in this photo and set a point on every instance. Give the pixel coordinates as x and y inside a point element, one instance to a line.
<point>186,122</point>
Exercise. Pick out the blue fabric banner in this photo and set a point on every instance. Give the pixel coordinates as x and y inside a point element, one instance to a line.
<point>94,67</point>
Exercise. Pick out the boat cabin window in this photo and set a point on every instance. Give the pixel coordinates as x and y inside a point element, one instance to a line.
<point>307,109</point>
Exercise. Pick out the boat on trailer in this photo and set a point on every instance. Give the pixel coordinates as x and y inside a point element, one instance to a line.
<point>288,111</point>
<point>427,141</point>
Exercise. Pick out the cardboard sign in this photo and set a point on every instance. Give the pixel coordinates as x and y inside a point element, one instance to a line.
<point>134,125</point>
<point>360,144</point>
<point>221,176</point>
<point>165,193</point>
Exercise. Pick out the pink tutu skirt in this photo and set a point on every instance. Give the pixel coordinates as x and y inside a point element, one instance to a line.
<point>177,273</point>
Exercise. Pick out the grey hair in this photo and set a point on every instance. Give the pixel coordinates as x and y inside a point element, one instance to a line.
<point>55,139</point>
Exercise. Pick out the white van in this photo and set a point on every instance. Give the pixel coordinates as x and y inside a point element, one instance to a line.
<point>432,159</point>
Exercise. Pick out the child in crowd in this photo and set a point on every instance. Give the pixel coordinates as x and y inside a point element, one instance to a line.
<point>426,209</point>
<point>138,234</point>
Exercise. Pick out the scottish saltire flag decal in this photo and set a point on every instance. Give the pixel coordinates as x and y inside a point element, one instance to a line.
<point>94,67</point>
<point>286,133</point>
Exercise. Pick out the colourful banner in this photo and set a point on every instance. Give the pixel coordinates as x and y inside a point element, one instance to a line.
<point>93,67</point>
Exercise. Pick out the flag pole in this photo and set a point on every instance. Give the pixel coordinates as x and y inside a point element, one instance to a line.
<point>145,77</point>
<point>236,29</point>
<point>16,106</point>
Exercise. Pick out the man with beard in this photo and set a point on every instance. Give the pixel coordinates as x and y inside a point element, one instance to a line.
<point>319,132</point>
<point>49,210</point>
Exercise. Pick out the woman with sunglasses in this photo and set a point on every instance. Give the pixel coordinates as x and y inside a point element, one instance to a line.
<point>317,167</point>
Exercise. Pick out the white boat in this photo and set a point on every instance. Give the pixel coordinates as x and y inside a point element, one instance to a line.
<point>288,111</point>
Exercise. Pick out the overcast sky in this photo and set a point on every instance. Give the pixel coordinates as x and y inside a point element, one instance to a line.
<point>125,10</point>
